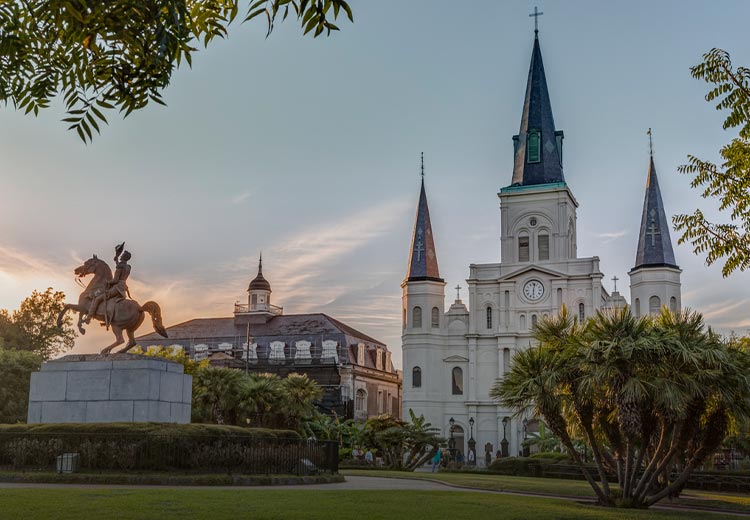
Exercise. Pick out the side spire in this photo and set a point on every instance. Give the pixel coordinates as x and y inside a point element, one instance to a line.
<point>423,264</point>
<point>654,242</point>
<point>259,283</point>
<point>538,146</point>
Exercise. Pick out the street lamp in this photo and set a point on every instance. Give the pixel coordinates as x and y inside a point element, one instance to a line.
<point>472,444</point>
<point>504,442</point>
<point>452,441</point>
<point>526,450</point>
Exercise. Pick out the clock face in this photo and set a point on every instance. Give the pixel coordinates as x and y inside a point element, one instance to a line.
<point>533,290</point>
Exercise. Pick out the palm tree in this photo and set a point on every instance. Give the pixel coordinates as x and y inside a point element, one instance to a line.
<point>216,392</point>
<point>647,394</point>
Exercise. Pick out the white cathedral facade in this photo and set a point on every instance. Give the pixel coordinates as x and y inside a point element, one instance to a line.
<point>452,359</point>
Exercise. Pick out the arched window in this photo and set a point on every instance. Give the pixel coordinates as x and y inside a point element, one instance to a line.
<point>581,312</point>
<point>416,377</point>
<point>360,401</point>
<point>673,304</point>
<point>523,248</point>
<point>489,318</point>
<point>506,360</point>
<point>507,309</point>
<point>559,297</point>
<point>403,325</point>
<point>416,317</point>
<point>654,305</point>
<point>543,246</point>
<point>522,322</point>
<point>637,308</point>
<point>435,318</point>
<point>458,381</point>
<point>533,321</point>
<point>533,146</point>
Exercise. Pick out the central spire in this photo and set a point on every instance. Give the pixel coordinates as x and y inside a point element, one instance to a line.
<point>538,146</point>
<point>423,264</point>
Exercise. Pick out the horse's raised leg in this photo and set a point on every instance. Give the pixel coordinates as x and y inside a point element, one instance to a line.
<point>119,340</point>
<point>74,307</point>
<point>131,341</point>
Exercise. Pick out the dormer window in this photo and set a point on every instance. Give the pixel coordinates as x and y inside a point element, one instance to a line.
<point>361,354</point>
<point>533,146</point>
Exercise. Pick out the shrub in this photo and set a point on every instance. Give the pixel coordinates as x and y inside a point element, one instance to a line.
<point>551,455</point>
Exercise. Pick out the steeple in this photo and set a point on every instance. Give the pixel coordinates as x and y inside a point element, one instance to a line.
<point>259,283</point>
<point>654,242</point>
<point>423,264</point>
<point>538,146</point>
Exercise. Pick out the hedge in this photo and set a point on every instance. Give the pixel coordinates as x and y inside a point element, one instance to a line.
<point>165,447</point>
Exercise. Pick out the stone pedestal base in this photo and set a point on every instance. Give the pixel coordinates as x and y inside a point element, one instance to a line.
<point>113,388</point>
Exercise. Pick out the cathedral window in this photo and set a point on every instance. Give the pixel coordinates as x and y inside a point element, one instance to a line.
<point>637,308</point>
<point>506,360</point>
<point>360,401</point>
<point>559,297</point>
<point>416,317</point>
<point>533,320</point>
<point>523,249</point>
<point>523,322</point>
<point>416,377</point>
<point>533,146</point>
<point>458,381</point>
<point>507,309</point>
<point>435,318</point>
<point>403,324</point>
<point>581,312</point>
<point>543,246</point>
<point>489,318</point>
<point>673,304</point>
<point>654,305</point>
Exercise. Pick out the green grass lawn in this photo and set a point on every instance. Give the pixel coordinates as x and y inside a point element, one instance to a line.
<point>279,504</point>
<point>560,487</point>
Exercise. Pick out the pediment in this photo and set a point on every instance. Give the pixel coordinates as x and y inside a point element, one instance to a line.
<point>456,359</point>
<point>533,269</point>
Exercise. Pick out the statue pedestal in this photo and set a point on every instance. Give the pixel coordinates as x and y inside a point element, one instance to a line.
<point>110,388</point>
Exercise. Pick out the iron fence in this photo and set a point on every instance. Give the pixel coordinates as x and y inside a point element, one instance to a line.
<point>106,452</point>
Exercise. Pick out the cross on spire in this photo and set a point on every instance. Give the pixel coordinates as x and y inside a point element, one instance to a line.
<point>422,165</point>
<point>536,14</point>
<point>458,292</point>
<point>650,143</point>
<point>652,232</point>
<point>614,279</point>
<point>419,249</point>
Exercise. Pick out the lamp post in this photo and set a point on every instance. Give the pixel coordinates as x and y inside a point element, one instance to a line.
<point>451,440</point>
<point>526,450</point>
<point>504,442</point>
<point>472,444</point>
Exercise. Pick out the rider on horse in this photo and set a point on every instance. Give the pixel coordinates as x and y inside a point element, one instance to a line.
<point>116,288</point>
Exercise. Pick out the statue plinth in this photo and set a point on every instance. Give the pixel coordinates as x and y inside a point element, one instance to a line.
<point>96,388</point>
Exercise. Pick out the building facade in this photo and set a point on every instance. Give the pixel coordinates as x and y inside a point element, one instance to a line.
<point>452,359</point>
<point>354,370</point>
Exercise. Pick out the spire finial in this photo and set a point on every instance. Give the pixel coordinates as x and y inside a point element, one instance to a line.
<point>614,279</point>
<point>650,143</point>
<point>260,263</point>
<point>422,168</point>
<point>536,14</point>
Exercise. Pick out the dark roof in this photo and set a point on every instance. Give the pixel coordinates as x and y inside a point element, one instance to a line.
<point>654,242</point>
<point>259,283</point>
<point>537,115</point>
<point>309,325</point>
<point>423,264</point>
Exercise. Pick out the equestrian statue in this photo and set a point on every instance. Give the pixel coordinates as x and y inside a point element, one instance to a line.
<point>107,299</point>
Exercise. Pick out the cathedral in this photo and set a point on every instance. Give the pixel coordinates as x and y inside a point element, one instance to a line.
<point>451,359</point>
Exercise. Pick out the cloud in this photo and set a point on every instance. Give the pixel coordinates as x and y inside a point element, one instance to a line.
<point>242,197</point>
<point>611,235</point>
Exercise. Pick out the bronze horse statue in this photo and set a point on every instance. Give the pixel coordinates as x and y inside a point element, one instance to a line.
<point>122,314</point>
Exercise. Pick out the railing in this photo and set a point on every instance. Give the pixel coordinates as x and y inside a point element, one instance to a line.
<point>177,453</point>
<point>243,308</point>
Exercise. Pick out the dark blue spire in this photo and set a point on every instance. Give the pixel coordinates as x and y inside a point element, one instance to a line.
<point>538,146</point>
<point>423,264</point>
<point>654,242</point>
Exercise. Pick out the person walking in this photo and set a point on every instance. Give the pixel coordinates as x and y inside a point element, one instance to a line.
<point>369,457</point>
<point>436,460</point>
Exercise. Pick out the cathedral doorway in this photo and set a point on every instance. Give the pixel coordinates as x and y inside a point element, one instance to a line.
<point>458,437</point>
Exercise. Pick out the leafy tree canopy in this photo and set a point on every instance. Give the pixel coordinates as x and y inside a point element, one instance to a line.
<point>33,326</point>
<point>16,367</point>
<point>728,182</point>
<point>101,56</point>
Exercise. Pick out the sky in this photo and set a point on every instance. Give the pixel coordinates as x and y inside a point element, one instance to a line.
<point>308,150</point>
